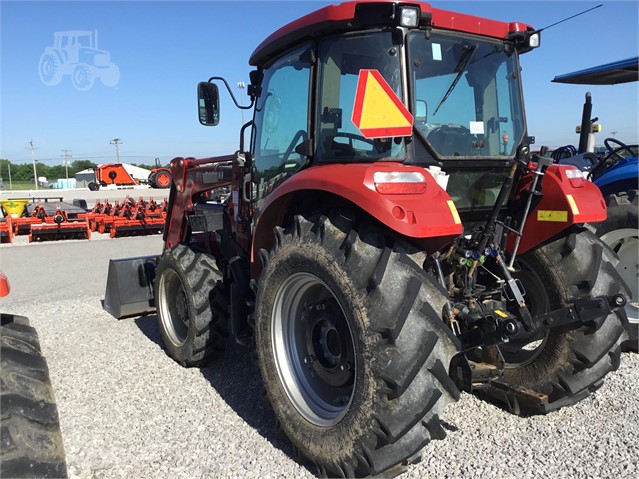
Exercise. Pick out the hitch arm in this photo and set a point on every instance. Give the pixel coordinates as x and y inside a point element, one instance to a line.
<point>502,327</point>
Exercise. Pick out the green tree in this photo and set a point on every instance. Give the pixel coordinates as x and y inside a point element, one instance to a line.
<point>79,165</point>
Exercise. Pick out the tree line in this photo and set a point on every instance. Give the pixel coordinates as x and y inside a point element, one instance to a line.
<point>24,171</point>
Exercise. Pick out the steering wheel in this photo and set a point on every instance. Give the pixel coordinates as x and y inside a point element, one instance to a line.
<point>342,150</point>
<point>451,140</point>
<point>612,157</point>
<point>353,136</point>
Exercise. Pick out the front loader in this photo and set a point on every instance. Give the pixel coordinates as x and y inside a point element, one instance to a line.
<point>388,240</point>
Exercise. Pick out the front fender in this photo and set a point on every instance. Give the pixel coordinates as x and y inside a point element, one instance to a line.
<point>427,215</point>
<point>565,202</point>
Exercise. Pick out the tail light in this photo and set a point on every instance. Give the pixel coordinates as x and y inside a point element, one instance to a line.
<point>575,176</point>
<point>399,182</point>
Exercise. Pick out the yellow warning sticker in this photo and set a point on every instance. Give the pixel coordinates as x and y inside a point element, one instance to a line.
<point>573,205</point>
<point>454,212</point>
<point>553,216</point>
<point>501,313</point>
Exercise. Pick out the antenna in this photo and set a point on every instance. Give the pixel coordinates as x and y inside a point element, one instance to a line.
<point>566,19</point>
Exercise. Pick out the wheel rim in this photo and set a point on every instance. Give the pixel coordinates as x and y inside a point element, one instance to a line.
<point>625,243</point>
<point>163,180</point>
<point>173,307</point>
<point>314,349</point>
<point>525,349</point>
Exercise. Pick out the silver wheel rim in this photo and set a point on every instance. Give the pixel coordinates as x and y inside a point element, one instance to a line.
<point>173,307</point>
<point>625,243</point>
<point>313,349</point>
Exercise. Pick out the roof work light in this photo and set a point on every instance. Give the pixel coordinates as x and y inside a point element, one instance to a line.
<point>409,16</point>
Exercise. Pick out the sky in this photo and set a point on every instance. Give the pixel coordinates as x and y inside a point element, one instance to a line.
<point>162,49</point>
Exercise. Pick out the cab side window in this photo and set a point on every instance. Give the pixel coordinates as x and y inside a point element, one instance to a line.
<point>281,120</point>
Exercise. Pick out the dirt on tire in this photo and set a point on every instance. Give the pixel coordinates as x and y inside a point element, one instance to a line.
<point>391,406</point>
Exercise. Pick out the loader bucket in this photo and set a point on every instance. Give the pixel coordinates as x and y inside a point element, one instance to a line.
<point>129,289</point>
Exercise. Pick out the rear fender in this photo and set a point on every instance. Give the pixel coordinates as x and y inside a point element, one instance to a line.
<point>430,215</point>
<point>565,202</point>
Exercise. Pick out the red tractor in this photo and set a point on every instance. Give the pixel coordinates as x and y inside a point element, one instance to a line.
<point>388,240</point>
<point>160,176</point>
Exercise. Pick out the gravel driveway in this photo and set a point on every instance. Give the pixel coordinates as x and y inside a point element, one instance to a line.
<point>127,410</point>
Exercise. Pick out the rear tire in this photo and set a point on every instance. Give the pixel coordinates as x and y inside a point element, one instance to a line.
<point>351,345</point>
<point>93,186</point>
<point>162,179</point>
<point>30,432</point>
<point>191,306</point>
<point>558,368</point>
<point>620,232</point>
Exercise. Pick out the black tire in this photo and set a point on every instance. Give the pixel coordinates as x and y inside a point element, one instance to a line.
<point>151,179</point>
<point>191,306</point>
<point>30,429</point>
<point>620,232</point>
<point>560,368</point>
<point>367,318</point>
<point>93,186</point>
<point>162,179</point>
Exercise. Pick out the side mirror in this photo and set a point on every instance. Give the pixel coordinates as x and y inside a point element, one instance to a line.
<point>208,99</point>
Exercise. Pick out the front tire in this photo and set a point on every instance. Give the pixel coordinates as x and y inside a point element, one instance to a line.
<point>560,368</point>
<point>351,346</point>
<point>191,306</point>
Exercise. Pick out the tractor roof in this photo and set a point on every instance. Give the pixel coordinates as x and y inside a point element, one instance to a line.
<point>339,18</point>
<point>622,71</point>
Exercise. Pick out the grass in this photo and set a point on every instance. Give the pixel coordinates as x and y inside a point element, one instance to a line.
<point>17,185</point>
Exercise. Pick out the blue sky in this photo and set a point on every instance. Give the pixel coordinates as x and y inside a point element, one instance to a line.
<point>163,49</point>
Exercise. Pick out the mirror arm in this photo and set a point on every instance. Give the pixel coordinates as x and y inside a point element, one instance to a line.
<point>228,88</point>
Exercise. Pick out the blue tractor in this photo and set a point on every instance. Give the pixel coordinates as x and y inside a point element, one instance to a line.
<point>616,172</point>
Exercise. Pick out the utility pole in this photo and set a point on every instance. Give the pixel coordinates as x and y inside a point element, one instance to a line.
<point>35,174</point>
<point>614,133</point>
<point>66,165</point>
<point>116,142</point>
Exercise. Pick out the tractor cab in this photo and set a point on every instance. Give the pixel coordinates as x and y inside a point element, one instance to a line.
<point>391,83</point>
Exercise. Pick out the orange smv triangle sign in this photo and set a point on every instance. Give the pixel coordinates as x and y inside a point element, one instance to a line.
<point>378,112</point>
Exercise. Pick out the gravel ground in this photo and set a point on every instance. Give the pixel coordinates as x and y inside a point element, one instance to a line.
<point>128,410</point>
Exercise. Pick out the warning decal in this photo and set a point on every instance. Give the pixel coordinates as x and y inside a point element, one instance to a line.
<point>378,112</point>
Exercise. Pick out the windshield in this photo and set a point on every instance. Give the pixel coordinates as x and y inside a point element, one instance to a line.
<point>467,100</point>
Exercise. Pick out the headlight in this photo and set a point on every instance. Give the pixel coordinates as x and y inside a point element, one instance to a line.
<point>534,40</point>
<point>409,16</point>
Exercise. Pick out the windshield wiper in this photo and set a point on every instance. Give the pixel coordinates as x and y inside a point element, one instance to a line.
<point>460,68</point>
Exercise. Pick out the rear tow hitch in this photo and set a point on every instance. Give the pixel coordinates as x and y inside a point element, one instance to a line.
<point>500,327</point>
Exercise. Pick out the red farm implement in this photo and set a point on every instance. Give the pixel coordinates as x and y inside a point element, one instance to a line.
<point>132,218</point>
<point>6,230</point>
<point>57,226</point>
